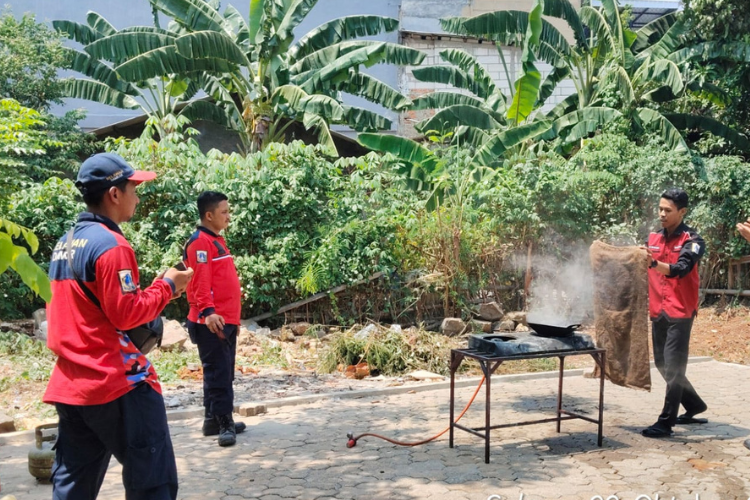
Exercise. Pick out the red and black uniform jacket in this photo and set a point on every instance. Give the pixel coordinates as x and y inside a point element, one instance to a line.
<point>96,362</point>
<point>215,287</point>
<point>675,296</point>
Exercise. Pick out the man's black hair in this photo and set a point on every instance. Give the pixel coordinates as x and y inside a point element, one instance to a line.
<point>94,200</point>
<point>208,201</point>
<point>678,196</point>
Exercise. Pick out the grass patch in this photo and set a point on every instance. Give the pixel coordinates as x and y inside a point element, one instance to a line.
<point>168,364</point>
<point>31,355</point>
<point>271,354</point>
<point>387,351</point>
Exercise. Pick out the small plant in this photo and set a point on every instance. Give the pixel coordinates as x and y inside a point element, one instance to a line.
<point>21,350</point>
<point>271,354</point>
<point>388,352</point>
<point>168,364</point>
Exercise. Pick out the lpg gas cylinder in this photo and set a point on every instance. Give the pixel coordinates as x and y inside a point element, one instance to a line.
<point>42,456</point>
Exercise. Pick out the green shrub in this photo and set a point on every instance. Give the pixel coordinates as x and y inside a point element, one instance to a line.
<point>387,351</point>
<point>21,350</point>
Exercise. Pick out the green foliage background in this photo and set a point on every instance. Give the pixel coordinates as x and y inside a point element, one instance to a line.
<point>302,223</point>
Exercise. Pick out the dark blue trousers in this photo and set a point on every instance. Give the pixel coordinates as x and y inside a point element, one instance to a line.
<point>134,429</point>
<point>671,341</point>
<point>217,357</point>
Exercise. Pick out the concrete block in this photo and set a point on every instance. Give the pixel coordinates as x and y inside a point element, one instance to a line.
<point>250,409</point>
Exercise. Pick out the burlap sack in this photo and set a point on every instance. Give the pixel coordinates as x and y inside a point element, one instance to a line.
<point>621,313</point>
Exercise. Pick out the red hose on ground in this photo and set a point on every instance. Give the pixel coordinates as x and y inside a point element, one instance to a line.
<point>352,441</point>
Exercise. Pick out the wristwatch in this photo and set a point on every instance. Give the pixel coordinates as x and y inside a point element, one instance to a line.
<point>653,264</point>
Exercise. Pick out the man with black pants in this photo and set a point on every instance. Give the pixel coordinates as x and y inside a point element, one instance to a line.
<point>673,303</point>
<point>744,230</point>
<point>106,392</point>
<point>213,321</point>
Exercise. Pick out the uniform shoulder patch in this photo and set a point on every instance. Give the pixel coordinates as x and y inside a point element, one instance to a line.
<point>127,284</point>
<point>201,256</point>
<point>695,248</point>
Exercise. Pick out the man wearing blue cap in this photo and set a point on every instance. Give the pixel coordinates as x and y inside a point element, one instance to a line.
<point>106,392</point>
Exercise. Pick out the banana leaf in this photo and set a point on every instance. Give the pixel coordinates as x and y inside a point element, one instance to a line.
<point>211,45</point>
<point>404,149</point>
<point>651,119</point>
<point>393,54</point>
<point>93,68</point>
<point>195,15</point>
<point>166,61</point>
<point>364,120</point>
<point>446,120</point>
<point>257,12</point>
<point>294,15</point>
<point>372,89</point>
<point>450,76</point>
<point>494,148</point>
<point>691,122</point>
<point>98,23</point>
<point>339,30</point>
<point>76,31</point>
<point>438,100</point>
<point>653,31</point>
<point>98,92</point>
<point>123,45</point>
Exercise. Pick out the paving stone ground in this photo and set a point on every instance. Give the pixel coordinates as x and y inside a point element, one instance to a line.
<point>300,451</point>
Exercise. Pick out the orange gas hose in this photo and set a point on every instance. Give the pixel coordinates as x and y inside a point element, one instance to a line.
<point>352,441</point>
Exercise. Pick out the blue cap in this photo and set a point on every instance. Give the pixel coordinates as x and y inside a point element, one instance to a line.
<point>104,170</point>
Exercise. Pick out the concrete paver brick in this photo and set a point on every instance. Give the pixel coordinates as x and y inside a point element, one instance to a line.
<point>299,451</point>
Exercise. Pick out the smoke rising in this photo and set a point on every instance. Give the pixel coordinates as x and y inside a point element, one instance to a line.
<point>561,291</point>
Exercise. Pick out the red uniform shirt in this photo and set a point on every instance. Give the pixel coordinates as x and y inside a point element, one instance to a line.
<point>675,296</point>
<point>215,287</point>
<point>97,362</point>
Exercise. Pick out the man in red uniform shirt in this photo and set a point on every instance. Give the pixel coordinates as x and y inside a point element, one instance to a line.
<point>214,296</point>
<point>105,390</point>
<point>744,230</point>
<point>673,303</point>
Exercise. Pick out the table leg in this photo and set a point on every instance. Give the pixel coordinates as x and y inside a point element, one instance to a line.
<point>454,367</point>
<point>602,365</point>
<point>488,391</point>
<point>560,391</point>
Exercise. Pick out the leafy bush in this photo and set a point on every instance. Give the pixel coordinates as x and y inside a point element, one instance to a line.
<point>300,223</point>
<point>22,350</point>
<point>387,351</point>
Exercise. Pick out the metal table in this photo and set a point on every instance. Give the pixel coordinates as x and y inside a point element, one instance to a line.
<point>490,363</point>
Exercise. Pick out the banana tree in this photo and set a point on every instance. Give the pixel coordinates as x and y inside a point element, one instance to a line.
<point>606,58</point>
<point>105,48</point>
<point>480,115</point>
<point>262,79</point>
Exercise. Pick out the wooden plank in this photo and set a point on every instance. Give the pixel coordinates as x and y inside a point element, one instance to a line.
<point>715,291</point>
<point>316,297</point>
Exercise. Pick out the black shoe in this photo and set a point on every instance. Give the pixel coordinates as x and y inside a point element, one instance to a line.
<point>227,434</point>
<point>656,431</point>
<point>211,426</point>
<point>687,419</point>
<point>747,444</point>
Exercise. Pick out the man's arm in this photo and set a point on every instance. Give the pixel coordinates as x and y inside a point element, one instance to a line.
<point>744,229</point>
<point>198,255</point>
<point>122,301</point>
<point>692,250</point>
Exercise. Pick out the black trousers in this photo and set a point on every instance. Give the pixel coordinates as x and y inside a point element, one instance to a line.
<point>217,357</point>
<point>671,345</point>
<point>134,429</point>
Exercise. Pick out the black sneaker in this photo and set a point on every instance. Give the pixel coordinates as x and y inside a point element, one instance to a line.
<point>211,426</point>
<point>227,434</point>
